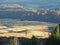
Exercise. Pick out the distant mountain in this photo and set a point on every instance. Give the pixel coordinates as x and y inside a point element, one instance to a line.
<point>15,11</point>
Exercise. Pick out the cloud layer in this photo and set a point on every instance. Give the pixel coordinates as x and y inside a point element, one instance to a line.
<point>34,3</point>
<point>10,6</point>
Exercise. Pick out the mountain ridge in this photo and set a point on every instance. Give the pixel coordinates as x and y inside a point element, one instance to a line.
<point>30,14</point>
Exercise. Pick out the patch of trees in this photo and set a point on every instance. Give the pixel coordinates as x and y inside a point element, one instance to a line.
<point>21,41</point>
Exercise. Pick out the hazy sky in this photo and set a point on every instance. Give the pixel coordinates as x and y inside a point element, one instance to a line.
<point>34,3</point>
<point>30,1</point>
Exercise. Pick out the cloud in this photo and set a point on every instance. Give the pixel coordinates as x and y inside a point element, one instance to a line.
<point>12,0</point>
<point>34,3</point>
<point>11,6</point>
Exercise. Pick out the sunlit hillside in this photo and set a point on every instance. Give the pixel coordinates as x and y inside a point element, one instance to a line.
<point>18,28</point>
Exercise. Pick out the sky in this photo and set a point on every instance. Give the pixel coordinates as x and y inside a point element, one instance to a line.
<point>38,4</point>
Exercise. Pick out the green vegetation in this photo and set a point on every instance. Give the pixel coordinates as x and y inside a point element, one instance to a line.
<point>14,41</point>
<point>55,37</point>
<point>34,40</point>
<point>56,33</point>
<point>25,41</point>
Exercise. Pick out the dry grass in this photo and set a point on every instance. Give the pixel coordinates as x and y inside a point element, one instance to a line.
<point>32,30</point>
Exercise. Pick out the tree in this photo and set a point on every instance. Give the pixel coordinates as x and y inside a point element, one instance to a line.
<point>33,40</point>
<point>54,39</point>
<point>56,33</point>
<point>14,41</point>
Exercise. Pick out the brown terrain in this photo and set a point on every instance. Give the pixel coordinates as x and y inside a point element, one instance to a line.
<point>25,31</point>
